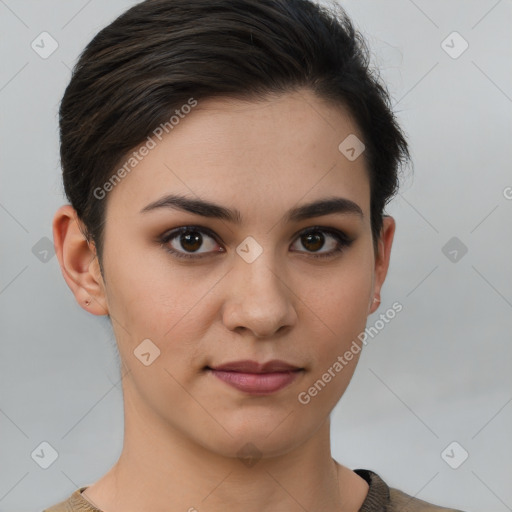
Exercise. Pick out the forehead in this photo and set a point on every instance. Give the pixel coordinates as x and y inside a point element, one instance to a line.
<point>258,156</point>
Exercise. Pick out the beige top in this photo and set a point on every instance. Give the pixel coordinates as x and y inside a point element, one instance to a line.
<point>380,498</point>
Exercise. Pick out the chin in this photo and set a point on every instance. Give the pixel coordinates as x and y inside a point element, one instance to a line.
<point>254,436</point>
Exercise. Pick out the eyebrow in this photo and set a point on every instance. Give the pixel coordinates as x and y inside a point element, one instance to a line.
<point>326,206</point>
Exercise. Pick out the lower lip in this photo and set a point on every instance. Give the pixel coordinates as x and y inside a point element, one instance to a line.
<point>257,383</point>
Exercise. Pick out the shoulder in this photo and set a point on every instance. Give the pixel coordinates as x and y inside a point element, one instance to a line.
<point>62,506</point>
<point>398,500</point>
<point>382,498</point>
<point>74,503</point>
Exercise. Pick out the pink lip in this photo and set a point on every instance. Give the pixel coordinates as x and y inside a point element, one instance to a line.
<point>257,378</point>
<point>256,383</point>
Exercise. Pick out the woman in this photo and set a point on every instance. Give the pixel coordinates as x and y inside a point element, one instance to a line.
<point>227,166</point>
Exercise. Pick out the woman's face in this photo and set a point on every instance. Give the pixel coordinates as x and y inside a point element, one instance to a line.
<point>253,286</point>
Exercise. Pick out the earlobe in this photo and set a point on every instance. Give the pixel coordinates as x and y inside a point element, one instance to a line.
<point>78,263</point>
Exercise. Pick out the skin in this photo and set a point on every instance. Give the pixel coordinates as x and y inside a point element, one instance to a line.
<point>183,426</point>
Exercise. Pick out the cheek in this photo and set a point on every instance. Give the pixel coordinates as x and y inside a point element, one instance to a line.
<point>340,317</point>
<point>340,301</point>
<point>170,305</point>
<point>143,288</point>
<point>338,312</point>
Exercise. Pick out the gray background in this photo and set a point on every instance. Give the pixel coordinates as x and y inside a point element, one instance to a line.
<point>439,372</point>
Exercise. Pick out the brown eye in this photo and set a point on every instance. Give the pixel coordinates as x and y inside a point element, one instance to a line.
<point>191,240</point>
<point>314,240</point>
<point>185,242</point>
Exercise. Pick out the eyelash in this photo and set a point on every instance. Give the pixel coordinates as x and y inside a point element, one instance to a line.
<point>342,239</point>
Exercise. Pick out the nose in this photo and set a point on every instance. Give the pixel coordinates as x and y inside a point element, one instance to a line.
<point>259,299</point>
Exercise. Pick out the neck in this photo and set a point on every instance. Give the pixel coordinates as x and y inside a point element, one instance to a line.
<point>161,469</point>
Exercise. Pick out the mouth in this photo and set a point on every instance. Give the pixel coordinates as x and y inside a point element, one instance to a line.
<point>256,378</point>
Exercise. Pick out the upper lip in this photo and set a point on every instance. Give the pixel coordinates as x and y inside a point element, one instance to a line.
<point>248,366</point>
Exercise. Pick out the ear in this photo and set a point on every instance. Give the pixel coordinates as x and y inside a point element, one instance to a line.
<point>78,262</point>
<point>382,259</point>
